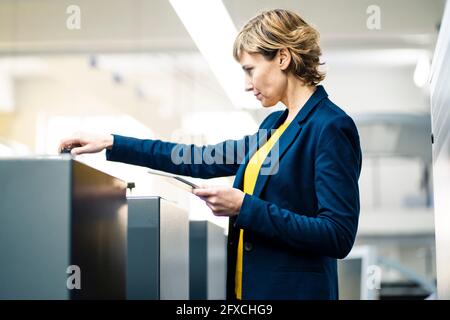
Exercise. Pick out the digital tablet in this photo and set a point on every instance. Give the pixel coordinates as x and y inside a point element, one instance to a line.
<point>178,181</point>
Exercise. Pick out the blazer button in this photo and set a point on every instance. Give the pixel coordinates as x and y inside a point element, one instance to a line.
<point>248,246</point>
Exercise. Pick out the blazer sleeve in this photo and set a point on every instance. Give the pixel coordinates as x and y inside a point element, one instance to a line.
<point>331,230</point>
<point>188,160</point>
<point>210,161</point>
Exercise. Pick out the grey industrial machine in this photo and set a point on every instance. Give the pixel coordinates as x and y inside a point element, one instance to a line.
<point>158,249</point>
<point>63,231</point>
<point>207,261</point>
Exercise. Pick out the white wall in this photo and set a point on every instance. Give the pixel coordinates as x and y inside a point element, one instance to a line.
<point>440,105</point>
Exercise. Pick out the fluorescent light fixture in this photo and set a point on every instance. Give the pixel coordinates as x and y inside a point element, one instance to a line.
<point>6,93</point>
<point>132,63</point>
<point>374,57</point>
<point>422,71</point>
<point>213,31</point>
<point>23,66</point>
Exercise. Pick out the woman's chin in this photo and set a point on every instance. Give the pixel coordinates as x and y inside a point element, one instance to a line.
<point>267,104</point>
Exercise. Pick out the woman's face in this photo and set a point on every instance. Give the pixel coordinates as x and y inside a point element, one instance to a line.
<point>265,78</point>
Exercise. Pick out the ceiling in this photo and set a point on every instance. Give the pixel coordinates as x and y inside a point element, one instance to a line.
<point>367,70</point>
<point>342,23</point>
<point>141,25</point>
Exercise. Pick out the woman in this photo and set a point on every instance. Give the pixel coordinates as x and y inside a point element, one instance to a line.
<point>289,222</point>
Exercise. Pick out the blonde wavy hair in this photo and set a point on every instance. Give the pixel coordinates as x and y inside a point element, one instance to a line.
<point>273,30</point>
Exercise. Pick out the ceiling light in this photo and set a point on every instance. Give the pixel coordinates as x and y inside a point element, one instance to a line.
<point>422,71</point>
<point>213,31</point>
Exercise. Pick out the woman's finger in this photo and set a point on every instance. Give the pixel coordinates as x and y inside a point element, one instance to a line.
<point>211,206</point>
<point>80,150</point>
<point>69,142</point>
<point>202,192</point>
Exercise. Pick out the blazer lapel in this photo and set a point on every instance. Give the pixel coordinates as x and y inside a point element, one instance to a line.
<point>275,155</point>
<point>265,131</point>
<point>283,143</point>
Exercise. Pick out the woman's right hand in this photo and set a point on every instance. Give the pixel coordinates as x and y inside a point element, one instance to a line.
<point>86,143</point>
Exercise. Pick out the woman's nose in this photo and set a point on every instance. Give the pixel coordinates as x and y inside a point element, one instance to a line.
<point>248,86</point>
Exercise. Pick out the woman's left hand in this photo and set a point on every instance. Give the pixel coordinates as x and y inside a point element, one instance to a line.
<point>222,200</point>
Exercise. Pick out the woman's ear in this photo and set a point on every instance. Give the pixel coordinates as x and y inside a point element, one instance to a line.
<point>284,58</point>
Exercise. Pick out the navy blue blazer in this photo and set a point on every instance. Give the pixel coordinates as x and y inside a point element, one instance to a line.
<point>303,213</point>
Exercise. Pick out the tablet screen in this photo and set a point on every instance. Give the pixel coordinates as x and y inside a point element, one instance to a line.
<point>176,180</point>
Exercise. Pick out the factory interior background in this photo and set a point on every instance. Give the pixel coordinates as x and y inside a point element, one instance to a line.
<point>164,70</point>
